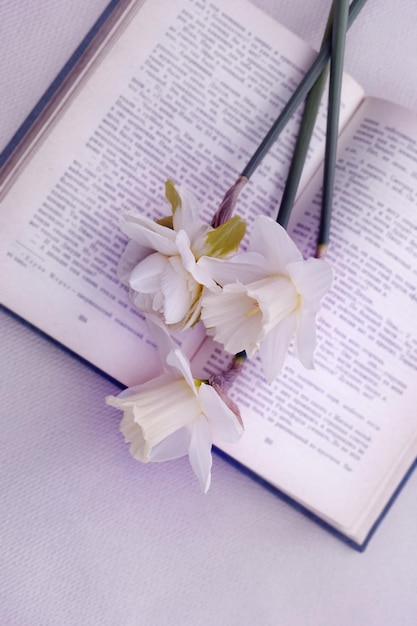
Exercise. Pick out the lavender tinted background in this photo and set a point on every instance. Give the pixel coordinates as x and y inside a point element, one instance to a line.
<point>91,537</point>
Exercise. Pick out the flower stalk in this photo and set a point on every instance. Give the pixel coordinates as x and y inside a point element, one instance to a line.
<point>305,133</point>
<point>341,9</point>
<point>179,271</point>
<point>299,95</point>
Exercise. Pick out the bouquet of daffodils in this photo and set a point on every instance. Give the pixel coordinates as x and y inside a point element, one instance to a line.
<point>181,271</point>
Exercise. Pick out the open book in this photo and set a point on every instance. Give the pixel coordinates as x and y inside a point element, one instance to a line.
<point>186,90</point>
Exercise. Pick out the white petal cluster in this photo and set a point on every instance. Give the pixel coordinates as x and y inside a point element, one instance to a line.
<point>174,415</point>
<point>160,264</point>
<point>269,296</point>
<point>180,270</point>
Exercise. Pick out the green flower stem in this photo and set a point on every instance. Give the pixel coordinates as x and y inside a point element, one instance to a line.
<point>305,132</point>
<point>341,9</point>
<point>298,96</point>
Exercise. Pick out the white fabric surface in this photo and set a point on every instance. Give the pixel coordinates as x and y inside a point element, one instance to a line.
<point>91,537</point>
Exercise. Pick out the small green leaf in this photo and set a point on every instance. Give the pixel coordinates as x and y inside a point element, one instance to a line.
<point>166,221</point>
<point>226,238</point>
<point>198,382</point>
<point>172,195</point>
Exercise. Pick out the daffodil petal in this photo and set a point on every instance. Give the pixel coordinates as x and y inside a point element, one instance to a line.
<point>224,424</point>
<point>162,338</point>
<point>177,360</point>
<point>276,298</point>
<point>272,241</point>
<point>145,302</point>
<point>146,276</point>
<point>175,290</point>
<point>233,319</point>
<point>139,448</point>
<point>312,279</point>
<point>200,452</point>
<point>133,254</point>
<point>174,446</point>
<point>154,411</point>
<point>245,267</point>
<point>305,338</point>
<point>187,216</point>
<point>274,347</point>
<point>198,272</point>
<point>149,234</point>
<point>127,396</point>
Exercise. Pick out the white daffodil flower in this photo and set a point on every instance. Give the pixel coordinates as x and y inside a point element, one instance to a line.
<point>174,415</point>
<point>160,264</point>
<point>269,295</point>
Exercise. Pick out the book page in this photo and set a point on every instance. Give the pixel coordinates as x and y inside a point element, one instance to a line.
<point>187,93</point>
<point>341,437</point>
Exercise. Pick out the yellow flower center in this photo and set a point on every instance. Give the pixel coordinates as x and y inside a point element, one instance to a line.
<point>254,310</point>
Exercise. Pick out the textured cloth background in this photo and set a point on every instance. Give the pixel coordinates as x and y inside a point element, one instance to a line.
<point>91,537</point>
